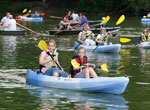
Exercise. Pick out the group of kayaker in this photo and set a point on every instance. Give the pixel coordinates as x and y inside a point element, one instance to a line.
<point>65,23</point>
<point>8,23</point>
<point>48,64</point>
<point>86,37</point>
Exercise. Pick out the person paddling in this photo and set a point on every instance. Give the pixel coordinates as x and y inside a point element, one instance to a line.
<point>86,36</point>
<point>85,72</point>
<point>64,25</point>
<point>145,36</point>
<point>102,38</point>
<point>48,65</point>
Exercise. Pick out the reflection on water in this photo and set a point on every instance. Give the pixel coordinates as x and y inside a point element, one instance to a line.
<point>50,98</point>
<point>8,51</point>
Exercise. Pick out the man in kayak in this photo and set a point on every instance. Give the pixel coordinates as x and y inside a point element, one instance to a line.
<point>102,38</point>
<point>48,64</point>
<point>83,20</point>
<point>64,25</point>
<point>145,36</point>
<point>86,36</point>
<point>5,20</point>
<point>83,71</point>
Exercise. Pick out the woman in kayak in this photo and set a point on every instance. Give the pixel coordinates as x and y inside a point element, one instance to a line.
<point>48,65</point>
<point>145,36</point>
<point>102,38</point>
<point>82,72</point>
<point>85,37</point>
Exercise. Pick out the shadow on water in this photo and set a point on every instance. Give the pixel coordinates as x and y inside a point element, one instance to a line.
<point>50,98</point>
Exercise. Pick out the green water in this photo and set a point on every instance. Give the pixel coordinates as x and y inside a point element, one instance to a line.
<point>18,53</point>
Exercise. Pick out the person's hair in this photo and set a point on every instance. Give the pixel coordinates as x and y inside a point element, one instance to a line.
<point>80,48</point>
<point>145,30</point>
<point>7,13</point>
<point>11,16</point>
<point>86,26</point>
<point>52,41</point>
<point>102,29</point>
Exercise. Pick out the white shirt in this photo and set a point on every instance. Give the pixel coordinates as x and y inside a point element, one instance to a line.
<point>5,21</point>
<point>12,23</point>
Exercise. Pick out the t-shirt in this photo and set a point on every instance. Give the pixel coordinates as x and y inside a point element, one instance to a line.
<point>84,21</point>
<point>5,21</point>
<point>12,23</point>
<point>61,24</point>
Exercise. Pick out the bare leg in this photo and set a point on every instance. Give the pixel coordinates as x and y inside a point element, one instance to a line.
<point>86,72</point>
<point>55,74</point>
<point>92,72</point>
<point>105,43</point>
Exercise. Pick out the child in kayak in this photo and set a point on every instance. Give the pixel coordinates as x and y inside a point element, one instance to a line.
<point>48,65</point>
<point>85,72</point>
<point>102,39</point>
<point>86,36</point>
<point>145,36</point>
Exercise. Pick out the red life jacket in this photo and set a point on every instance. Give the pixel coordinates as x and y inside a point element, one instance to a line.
<point>81,62</point>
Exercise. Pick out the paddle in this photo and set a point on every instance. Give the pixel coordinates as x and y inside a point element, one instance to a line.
<point>124,40</point>
<point>43,46</point>
<point>25,10</point>
<point>75,64</point>
<point>26,28</point>
<point>120,20</point>
<point>29,11</point>
<point>55,17</point>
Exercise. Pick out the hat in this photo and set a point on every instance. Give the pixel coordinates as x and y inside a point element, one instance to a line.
<point>103,18</point>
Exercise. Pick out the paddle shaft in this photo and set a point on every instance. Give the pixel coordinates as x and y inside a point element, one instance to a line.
<point>54,61</point>
<point>26,28</point>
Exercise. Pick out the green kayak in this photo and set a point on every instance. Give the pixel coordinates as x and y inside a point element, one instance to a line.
<point>12,32</point>
<point>114,31</point>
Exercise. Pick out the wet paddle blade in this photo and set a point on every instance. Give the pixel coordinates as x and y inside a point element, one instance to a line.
<point>25,10</point>
<point>124,40</point>
<point>104,67</point>
<point>43,46</point>
<point>120,20</point>
<point>105,20</point>
<point>75,64</point>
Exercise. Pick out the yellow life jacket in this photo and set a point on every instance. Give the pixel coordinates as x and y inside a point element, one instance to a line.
<point>145,37</point>
<point>85,35</point>
<point>54,56</point>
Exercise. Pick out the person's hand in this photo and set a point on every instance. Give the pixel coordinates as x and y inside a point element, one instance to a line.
<point>100,42</point>
<point>93,65</point>
<point>62,69</point>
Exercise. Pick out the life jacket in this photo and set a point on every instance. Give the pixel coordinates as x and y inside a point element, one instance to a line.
<point>144,37</point>
<point>85,35</point>
<point>49,64</point>
<point>103,37</point>
<point>74,72</point>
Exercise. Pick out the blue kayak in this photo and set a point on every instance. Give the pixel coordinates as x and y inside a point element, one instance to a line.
<point>114,48</point>
<point>114,85</point>
<point>34,19</point>
<point>145,45</point>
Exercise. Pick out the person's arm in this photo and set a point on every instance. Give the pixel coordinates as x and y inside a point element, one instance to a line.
<point>79,37</point>
<point>42,59</point>
<point>109,34</point>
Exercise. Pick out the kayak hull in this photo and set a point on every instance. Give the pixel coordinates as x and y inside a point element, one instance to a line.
<point>114,85</point>
<point>33,19</point>
<point>113,30</point>
<point>114,48</point>
<point>145,45</point>
<point>12,32</point>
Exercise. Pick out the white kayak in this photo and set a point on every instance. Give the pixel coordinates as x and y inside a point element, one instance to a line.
<point>115,85</point>
<point>145,45</point>
<point>114,48</point>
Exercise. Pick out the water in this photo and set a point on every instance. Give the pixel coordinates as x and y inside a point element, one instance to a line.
<point>18,53</point>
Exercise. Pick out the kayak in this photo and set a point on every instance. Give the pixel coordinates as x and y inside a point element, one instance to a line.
<point>114,48</point>
<point>113,30</point>
<point>12,32</point>
<point>34,19</point>
<point>114,85</point>
<point>145,45</point>
<point>145,20</point>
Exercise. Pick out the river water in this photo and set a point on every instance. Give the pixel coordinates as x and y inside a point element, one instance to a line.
<point>19,53</point>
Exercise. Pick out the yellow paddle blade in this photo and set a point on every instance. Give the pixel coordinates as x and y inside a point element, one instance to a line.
<point>120,20</point>
<point>43,46</point>
<point>105,20</point>
<point>144,16</point>
<point>29,11</point>
<point>25,10</point>
<point>75,64</point>
<point>123,40</point>
<point>104,67</point>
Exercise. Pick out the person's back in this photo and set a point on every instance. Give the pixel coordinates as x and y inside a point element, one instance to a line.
<point>84,20</point>
<point>12,23</point>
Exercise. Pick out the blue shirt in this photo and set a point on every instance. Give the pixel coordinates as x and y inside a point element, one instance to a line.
<point>84,20</point>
